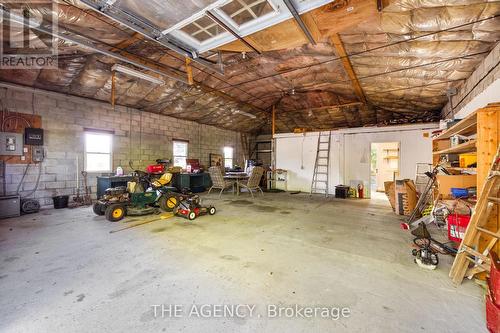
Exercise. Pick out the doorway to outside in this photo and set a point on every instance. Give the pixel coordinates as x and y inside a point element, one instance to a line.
<point>384,166</point>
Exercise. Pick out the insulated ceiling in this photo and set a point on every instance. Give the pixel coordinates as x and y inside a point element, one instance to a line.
<point>403,59</point>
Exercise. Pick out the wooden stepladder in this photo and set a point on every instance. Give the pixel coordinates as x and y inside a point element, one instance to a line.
<point>467,252</point>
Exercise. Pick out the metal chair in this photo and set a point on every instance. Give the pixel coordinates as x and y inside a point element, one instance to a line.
<point>254,180</point>
<point>218,181</point>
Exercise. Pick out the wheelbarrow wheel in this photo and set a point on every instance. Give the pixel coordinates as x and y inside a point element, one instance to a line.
<point>168,202</point>
<point>115,212</point>
<point>98,208</point>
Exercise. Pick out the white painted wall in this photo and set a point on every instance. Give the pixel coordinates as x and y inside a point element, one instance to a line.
<point>350,153</point>
<point>489,95</point>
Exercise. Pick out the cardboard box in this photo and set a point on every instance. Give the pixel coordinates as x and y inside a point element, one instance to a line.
<point>405,196</point>
<point>389,191</point>
<point>446,182</point>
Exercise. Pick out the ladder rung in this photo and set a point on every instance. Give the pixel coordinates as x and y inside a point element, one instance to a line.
<point>494,200</point>
<point>491,233</point>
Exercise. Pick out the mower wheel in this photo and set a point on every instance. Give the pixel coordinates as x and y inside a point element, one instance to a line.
<point>168,202</point>
<point>115,212</point>
<point>191,216</point>
<point>98,208</point>
<point>212,210</point>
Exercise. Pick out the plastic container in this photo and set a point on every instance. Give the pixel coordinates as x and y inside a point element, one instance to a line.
<point>342,191</point>
<point>494,281</point>
<point>119,171</point>
<point>492,315</point>
<point>457,224</point>
<point>60,201</point>
<point>467,159</point>
<point>155,168</point>
<point>459,192</point>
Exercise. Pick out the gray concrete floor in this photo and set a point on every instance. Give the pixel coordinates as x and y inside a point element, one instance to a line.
<point>62,271</point>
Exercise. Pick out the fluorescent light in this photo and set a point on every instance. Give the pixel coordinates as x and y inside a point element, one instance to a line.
<point>133,72</point>
<point>246,114</point>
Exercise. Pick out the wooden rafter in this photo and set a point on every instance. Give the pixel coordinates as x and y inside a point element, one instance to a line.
<point>346,63</point>
<point>326,107</point>
<point>310,23</point>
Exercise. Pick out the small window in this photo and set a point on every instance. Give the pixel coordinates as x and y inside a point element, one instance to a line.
<point>243,11</point>
<point>228,157</point>
<point>98,148</point>
<point>203,28</point>
<point>180,153</point>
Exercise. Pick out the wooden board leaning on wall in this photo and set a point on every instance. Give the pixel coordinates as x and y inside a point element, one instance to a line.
<point>16,123</point>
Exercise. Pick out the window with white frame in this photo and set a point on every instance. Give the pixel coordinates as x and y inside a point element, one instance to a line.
<point>180,150</point>
<point>98,151</point>
<point>228,157</point>
<point>203,29</point>
<point>244,11</point>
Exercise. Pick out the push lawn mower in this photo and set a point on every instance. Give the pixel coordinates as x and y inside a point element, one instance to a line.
<point>190,207</point>
<point>427,248</point>
<point>134,200</point>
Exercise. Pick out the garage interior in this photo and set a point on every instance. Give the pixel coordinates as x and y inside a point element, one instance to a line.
<point>250,165</point>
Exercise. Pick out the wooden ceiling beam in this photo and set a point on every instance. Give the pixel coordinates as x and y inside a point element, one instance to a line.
<point>346,63</point>
<point>311,24</point>
<point>127,42</point>
<point>326,107</point>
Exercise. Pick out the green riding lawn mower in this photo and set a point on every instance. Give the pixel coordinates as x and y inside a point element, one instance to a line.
<point>140,197</point>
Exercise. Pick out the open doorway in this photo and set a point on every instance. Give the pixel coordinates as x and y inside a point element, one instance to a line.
<point>384,166</point>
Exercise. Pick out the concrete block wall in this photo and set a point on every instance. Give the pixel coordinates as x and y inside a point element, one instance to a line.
<point>472,93</point>
<point>140,137</point>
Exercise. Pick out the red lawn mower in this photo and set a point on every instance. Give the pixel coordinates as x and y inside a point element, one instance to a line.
<point>190,207</point>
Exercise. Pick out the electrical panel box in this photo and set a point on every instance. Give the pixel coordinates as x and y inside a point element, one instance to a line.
<point>37,154</point>
<point>33,136</point>
<point>11,144</point>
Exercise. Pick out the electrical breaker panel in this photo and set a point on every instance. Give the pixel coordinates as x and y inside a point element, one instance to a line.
<point>37,154</point>
<point>11,144</point>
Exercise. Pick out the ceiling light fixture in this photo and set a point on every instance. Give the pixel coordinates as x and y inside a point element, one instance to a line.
<point>246,114</point>
<point>137,74</point>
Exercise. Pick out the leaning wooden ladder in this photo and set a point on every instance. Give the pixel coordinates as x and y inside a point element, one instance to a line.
<point>467,252</point>
<point>319,182</point>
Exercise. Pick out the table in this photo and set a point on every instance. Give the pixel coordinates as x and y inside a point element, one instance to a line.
<point>236,176</point>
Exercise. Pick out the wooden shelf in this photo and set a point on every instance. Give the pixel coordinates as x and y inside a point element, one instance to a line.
<point>465,147</point>
<point>462,169</point>
<point>466,126</point>
<point>391,157</point>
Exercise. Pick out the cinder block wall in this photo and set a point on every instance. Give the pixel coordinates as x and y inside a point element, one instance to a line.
<point>140,137</point>
<point>485,74</point>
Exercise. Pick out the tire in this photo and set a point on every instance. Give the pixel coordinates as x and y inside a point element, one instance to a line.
<point>168,202</point>
<point>98,209</point>
<point>212,210</point>
<point>115,212</point>
<point>191,216</point>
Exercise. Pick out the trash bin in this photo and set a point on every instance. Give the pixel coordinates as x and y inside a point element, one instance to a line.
<point>60,201</point>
